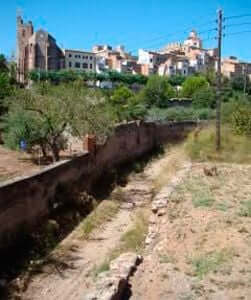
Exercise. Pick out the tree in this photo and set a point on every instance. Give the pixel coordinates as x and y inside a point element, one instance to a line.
<point>3,64</point>
<point>204,98</point>
<point>157,92</point>
<point>192,84</point>
<point>176,80</point>
<point>240,83</point>
<point>55,113</point>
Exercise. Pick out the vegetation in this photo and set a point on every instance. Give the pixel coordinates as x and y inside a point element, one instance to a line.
<point>179,114</point>
<point>193,84</point>
<point>157,92</point>
<point>210,262</point>
<point>103,213</point>
<point>64,76</point>
<point>235,148</point>
<point>66,103</point>
<point>132,240</point>
<point>45,115</point>
<point>246,209</point>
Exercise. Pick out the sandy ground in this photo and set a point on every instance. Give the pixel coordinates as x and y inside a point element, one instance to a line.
<point>84,255</point>
<point>203,246</point>
<point>15,163</point>
<point>201,250</point>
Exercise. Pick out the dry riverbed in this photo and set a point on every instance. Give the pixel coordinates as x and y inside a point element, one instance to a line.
<point>118,225</point>
<point>199,249</point>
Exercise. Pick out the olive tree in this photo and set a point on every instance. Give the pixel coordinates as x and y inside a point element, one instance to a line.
<point>53,111</point>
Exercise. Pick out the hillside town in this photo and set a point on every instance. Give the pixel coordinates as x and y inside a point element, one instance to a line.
<point>38,50</point>
<point>125,174</point>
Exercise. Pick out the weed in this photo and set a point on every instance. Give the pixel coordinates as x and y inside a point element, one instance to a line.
<point>245,209</point>
<point>132,240</point>
<point>103,213</point>
<point>234,148</point>
<point>221,206</point>
<point>169,167</point>
<point>202,199</point>
<point>105,266</point>
<point>210,262</point>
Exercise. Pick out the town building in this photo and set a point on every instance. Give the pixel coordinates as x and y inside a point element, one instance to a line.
<point>79,60</point>
<point>36,50</point>
<point>232,67</point>
<point>200,59</point>
<point>175,65</point>
<point>151,59</point>
<point>117,59</point>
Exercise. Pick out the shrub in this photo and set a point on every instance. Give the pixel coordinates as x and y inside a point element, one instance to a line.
<point>192,84</point>
<point>241,119</point>
<point>204,98</point>
<point>179,114</point>
<point>157,92</point>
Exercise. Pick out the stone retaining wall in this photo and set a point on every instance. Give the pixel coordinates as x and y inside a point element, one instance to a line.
<point>25,201</point>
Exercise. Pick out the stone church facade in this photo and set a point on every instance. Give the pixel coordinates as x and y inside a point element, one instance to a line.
<point>36,50</point>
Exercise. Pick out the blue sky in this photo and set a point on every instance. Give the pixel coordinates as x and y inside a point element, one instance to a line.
<point>137,24</point>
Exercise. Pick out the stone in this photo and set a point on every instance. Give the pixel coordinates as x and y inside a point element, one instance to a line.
<point>111,284</point>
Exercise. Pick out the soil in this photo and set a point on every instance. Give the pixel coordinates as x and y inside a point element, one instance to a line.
<point>201,249</point>
<point>18,163</point>
<point>82,256</point>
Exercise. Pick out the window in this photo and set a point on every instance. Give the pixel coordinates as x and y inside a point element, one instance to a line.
<point>77,65</point>
<point>70,64</point>
<point>151,60</point>
<point>90,57</point>
<point>90,66</point>
<point>85,66</point>
<point>70,55</point>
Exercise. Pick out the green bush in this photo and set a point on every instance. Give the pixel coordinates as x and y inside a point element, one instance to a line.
<point>179,114</point>
<point>241,119</point>
<point>204,98</point>
<point>193,84</point>
<point>157,92</point>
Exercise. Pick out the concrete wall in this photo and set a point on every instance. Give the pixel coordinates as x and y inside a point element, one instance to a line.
<point>25,201</point>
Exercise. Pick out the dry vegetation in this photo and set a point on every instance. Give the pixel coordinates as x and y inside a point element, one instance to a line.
<point>203,250</point>
<point>235,148</point>
<point>131,241</point>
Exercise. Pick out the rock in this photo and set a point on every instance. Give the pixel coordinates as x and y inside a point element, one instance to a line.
<point>111,284</point>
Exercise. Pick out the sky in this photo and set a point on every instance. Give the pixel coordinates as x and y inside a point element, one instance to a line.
<point>148,24</point>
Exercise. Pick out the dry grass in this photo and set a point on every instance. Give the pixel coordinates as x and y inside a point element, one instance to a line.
<point>235,149</point>
<point>104,212</point>
<point>170,164</point>
<point>132,240</point>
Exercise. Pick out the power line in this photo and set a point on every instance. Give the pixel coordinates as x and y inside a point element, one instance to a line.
<point>237,33</point>
<point>238,24</point>
<point>237,16</point>
<point>166,38</point>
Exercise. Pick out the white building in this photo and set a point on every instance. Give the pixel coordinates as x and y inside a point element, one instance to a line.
<point>79,60</point>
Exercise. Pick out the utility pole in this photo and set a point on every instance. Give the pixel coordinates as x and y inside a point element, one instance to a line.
<point>245,80</point>
<point>219,81</point>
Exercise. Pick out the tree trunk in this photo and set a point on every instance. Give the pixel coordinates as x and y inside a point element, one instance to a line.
<point>55,152</point>
<point>44,151</point>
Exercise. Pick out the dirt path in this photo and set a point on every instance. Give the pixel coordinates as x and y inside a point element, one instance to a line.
<point>202,249</point>
<point>83,255</point>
